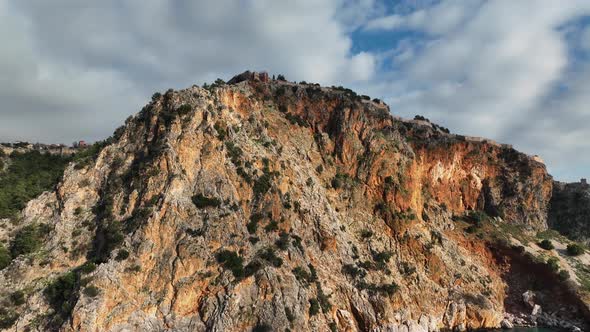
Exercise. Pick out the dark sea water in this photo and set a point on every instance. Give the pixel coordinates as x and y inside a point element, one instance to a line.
<point>531,329</point>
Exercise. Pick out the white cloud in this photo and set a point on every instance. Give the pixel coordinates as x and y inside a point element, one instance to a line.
<point>91,65</point>
<point>490,69</point>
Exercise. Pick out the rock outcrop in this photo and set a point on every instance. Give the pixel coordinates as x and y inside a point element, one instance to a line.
<point>269,205</point>
<point>569,211</point>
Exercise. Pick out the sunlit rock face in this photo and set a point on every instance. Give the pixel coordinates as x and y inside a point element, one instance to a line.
<point>264,204</point>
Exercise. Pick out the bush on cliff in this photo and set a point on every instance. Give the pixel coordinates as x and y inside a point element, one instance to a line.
<point>231,261</point>
<point>546,244</point>
<point>201,201</point>
<point>574,249</point>
<point>28,239</point>
<point>4,257</point>
<point>61,293</point>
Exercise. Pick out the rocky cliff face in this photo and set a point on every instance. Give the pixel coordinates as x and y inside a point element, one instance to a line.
<point>268,205</point>
<point>569,211</point>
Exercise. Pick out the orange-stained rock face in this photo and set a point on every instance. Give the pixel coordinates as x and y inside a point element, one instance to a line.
<point>267,203</point>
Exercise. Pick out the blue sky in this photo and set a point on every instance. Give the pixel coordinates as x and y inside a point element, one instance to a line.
<point>514,71</point>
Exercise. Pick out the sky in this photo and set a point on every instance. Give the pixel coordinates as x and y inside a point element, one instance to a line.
<point>514,71</point>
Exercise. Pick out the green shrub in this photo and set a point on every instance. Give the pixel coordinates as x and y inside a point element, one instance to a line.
<point>253,224</point>
<point>201,201</point>
<point>366,234</point>
<point>28,239</point>
<point>17,298</point>
<point>108,237</point>
<point>184,109</point>
<point>261,328</point>
<point>477,217</point>
<point>269,255</point>
<point>272,226</point>
<point>61,293</point>
<point>91,291</point>
<point>7,318</point>
<point>333,327</point>
<point>323,299</point>
<point>313,272</point>
<point>471,229</point>
<point>262,185</point>
<point>221,131</point>
<point>283,241</point>
<point>546,244</point>
<point>4,257</point>
<point>387,289</point>
<point>135,268</point>
<point>302,276</point>
<point>252,268</point>
<point>382,257</point>
<point>563,275</point>
<point>553,264</point>
<point>518,249</point>
<point>87,267</point>
<point>314,307</point>
<point>353,271</point>
<point>574,249</point>
<point>298,243</point>
<point>232,261</point>
<point>122,255</point>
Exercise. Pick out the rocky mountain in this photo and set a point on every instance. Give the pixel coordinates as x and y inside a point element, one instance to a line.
<point>265,205</point>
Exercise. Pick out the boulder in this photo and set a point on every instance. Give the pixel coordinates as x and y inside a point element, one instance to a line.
<point>506,324</point>
<point>536,310</point>
<point>528,298</point>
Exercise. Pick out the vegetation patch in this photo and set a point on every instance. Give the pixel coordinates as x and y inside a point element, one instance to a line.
<point>574,249</point>
<point>122,255</point>
<point>5,257</point>
<point>109,236</point>
<point>91,291</point>
<point>252,226</point>
<point>61,294</point>
<point>87,156</point>
<point>283,241</point>
<point>202,201</point>
<point>342,180</point>
<point>546,244</point>
<point>384,289</point>
<point>7,318</point>
<point>28,239</point>
<point>27,176</point>
<point>303,276</point>
<point>314,307</point>
<point>232,261</point>
<point>269,255</point>
<point>272,226</point>
<point>17,298</point>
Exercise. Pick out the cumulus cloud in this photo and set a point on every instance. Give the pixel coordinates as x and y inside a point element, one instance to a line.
<point>75,70</point>
<point>494,69</point>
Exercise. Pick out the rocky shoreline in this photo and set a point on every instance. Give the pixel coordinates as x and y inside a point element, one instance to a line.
<point>538,317</point>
